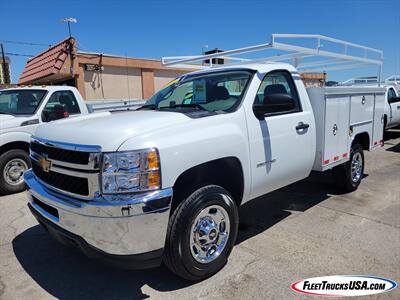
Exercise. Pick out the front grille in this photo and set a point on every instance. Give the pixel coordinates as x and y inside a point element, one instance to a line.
<point>75,157</point>
<point>72,184</point>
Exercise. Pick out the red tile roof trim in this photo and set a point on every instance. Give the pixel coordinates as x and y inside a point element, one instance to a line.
<point>46,63</point>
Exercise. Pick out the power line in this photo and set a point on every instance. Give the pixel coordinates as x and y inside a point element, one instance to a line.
<point>18,54</point>
<point>23,43</point>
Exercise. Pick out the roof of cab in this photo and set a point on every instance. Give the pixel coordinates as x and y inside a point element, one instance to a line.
<point>42,87</point>
<point>256,66</point>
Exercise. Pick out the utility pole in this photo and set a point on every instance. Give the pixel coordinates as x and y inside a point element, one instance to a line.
<point>4,65</point>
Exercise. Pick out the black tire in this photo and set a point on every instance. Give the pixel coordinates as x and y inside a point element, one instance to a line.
<point>343,172</point>
<point>177,255</point>
<point>5,158</point>
<point>384,128</point>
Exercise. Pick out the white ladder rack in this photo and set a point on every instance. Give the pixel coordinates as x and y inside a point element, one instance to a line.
<point>331,60</point>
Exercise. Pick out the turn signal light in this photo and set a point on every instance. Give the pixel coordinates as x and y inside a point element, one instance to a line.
<point>153,180</point>
<point>152,160</point>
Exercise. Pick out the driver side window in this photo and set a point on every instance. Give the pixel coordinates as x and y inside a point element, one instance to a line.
<point>391,94</point>
<point>278,83</point>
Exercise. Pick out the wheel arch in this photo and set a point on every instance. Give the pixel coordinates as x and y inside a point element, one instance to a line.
<point>226,172</point>
<point>363,139</point>
<point>21,145</point>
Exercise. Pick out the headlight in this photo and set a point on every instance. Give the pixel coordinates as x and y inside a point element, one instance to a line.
<point>131,171</point>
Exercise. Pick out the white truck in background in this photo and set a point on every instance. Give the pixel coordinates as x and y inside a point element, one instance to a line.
<point>392,106</point>
<point>164,183</point>
<point>22,110</point>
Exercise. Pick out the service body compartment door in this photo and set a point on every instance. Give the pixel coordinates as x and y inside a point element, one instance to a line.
<point>341,113</point>
<point>377,135</point>
<point>336,128</point>
<point>362,109</point>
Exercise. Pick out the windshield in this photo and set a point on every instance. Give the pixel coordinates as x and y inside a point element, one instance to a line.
<point>218,91</point>
<point>20,102</point>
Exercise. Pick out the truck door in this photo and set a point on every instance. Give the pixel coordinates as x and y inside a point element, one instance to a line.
<point>394,117</point>
<point>282,144</point>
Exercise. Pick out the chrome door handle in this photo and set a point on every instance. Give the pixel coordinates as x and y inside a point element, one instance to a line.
<point>302,126</point>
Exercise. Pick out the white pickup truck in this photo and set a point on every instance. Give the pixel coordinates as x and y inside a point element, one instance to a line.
<point>22,110</point>
<point>165,182</point>
<point>392,106</point>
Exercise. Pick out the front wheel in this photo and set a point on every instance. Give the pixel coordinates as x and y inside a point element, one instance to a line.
<point>348,175</point>
<point>13,164</point>
<point>201,233</point>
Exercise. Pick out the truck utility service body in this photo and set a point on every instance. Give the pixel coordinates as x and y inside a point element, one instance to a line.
<point>392,97</point>
<point>164,182</point>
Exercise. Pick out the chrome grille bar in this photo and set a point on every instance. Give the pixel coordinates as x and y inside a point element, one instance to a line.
<point>89,171</point>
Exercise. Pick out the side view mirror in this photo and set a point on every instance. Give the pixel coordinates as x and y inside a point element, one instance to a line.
<point>273,104</point>
<point>58,112</point>
<point>394,100</point>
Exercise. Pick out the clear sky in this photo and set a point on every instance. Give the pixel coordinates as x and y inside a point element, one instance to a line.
<point>151,29</point>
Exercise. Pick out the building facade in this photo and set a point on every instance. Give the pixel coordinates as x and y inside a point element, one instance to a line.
<point>98,76</point>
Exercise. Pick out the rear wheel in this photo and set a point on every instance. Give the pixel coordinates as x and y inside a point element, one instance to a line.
<point>349,175</point>
<point>13,164</point>
<point>201,233</point>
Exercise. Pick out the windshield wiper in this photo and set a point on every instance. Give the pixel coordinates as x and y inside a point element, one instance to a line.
<point>195,105</point>
<point>149,106</point>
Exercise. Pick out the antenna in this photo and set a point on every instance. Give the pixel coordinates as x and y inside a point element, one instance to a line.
<point>69,21</point>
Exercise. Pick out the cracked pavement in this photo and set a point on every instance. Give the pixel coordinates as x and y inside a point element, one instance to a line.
<point>303,230</point>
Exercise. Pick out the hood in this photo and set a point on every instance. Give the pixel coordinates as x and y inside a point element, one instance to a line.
<point>108,130</point>
<point>10,121</point>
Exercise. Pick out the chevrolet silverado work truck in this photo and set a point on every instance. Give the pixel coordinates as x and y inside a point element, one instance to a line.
<point>165,182</point>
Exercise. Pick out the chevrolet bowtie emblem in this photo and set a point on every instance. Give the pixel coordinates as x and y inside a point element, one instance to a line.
<point>45,164</point>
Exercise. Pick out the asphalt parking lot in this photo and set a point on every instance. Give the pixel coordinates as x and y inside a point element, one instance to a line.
<point>304,230</point>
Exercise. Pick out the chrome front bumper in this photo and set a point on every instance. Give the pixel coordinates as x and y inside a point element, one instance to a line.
<point>116,225</point>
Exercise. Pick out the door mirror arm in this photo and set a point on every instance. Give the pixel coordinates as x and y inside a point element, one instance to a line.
<point>394,100</point>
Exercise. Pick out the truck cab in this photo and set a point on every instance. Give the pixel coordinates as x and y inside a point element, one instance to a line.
<point>22,110</point>
<point>392,106</point>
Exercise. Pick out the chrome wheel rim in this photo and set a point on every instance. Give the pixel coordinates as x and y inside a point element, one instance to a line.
<point>356,167</point>
<point>14,170</point>
<point>209,234</point>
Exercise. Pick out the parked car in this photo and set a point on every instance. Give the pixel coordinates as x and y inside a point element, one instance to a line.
<point>165,182</point>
